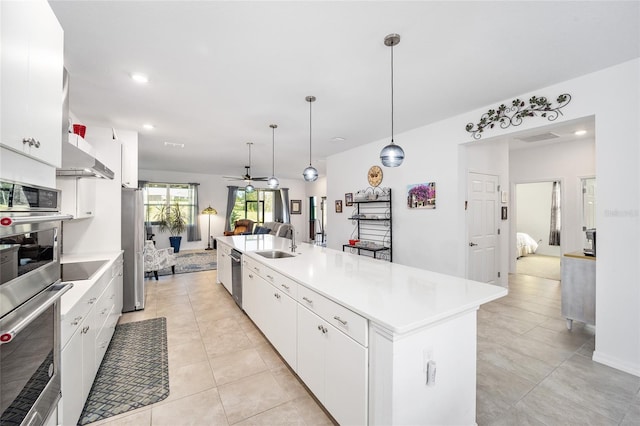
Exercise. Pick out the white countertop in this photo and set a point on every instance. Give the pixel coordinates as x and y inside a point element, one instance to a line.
<point>397,297</point>
<point>80,287</point>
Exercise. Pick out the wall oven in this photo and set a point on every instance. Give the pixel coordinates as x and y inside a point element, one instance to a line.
<point>30,291</point>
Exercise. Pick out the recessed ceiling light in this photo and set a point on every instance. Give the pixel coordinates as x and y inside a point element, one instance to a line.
<point>139,78</point>
<point>337,139</point>
<point>174,145</point>
<point>580,132</point>
<point>149,126</point>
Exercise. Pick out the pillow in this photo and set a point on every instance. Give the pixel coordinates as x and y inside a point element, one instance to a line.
<point>261,230</point>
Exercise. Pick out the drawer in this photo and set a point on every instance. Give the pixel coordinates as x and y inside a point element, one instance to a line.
<point>104,306</point>
<point>345,320</point>
<point>103,339</point>
<point>278,280</point>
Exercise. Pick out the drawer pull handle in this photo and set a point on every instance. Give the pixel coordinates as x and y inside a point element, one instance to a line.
<point>85,329</point>
<point>92,300</point>
<point>76,321</point>
<point>286,287</point>
<point>341,321</point>
<point>307,300</point>
<point>256,269</point>
<point>270,277</point>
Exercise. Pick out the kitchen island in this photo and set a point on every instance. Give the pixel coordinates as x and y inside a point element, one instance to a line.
<point>367,337</point>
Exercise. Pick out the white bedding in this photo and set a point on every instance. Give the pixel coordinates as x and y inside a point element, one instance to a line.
<point>526,244</point>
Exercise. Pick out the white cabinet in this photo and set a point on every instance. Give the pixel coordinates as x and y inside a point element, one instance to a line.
<point>129,158</point>
<point>224,266</point>
<point>271,308</point>
<point>78,196</point>
<point>86,331</point>
<point>334,367</point>
<point>31,79</point>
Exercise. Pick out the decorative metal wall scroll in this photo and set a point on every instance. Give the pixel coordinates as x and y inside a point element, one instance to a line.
<point>513,115</point>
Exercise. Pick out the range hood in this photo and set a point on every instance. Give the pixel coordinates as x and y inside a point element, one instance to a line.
<point>78,163</point>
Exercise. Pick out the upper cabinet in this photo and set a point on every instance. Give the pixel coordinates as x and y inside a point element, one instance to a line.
<point>31,73</point>
<point>129,159</point>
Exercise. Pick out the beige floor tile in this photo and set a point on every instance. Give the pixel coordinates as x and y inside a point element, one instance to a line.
<point>225,343</point>
<point>270,356</point>
<point>236,365</point>
<point>212,328</point>
<point>311,412</point>
<point>252,395</point>
<point>204,408</point>
<point>190,352</point>
<point>289,382</point>
<point>256,337</point>
<point>189,379</point>
<point>564,339</point>
<point>137,316</point>
<point>283,415</point>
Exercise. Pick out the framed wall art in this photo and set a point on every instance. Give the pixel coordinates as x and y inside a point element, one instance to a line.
<point>421,196</point>
<point>348,199</point>
<point>338,206</point>
<point>296,206</point>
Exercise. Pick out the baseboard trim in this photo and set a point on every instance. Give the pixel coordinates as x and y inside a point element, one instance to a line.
<point>616,363</point>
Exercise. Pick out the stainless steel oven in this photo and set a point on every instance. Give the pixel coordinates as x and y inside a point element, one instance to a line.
<point>30,292</point>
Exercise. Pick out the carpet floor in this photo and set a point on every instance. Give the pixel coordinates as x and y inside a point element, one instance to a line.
<point>538,265</point>
<point>193,261</point>
<point>134,372</point>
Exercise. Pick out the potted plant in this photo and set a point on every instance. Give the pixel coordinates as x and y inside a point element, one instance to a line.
<point>172,220</point>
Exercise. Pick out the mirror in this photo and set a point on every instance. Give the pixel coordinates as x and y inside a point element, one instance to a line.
<point>588,203</point>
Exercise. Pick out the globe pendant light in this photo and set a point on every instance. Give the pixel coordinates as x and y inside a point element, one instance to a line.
<point>310,173</point>
<point>249,188</point>
<point>391,155</point>
<point>273,182</point>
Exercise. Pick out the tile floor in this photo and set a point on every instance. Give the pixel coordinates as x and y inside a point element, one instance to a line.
<point>531,370</point>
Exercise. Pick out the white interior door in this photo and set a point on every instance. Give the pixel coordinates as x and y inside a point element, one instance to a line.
<point>483,209</point>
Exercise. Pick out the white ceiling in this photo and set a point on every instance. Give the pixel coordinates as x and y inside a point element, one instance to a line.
<point>221,71</point>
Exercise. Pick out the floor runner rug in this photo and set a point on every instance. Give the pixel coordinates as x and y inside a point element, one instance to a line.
<point>193,261</point>
<point>134,371</point>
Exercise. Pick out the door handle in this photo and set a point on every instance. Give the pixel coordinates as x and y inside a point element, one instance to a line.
<point>472,244</point>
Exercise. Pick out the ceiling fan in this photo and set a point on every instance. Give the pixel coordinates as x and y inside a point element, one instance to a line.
<point>247,173</point>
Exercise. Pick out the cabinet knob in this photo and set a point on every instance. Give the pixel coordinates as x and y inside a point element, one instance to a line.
<point>31,142</point>
<point>76,320</point>
<point>250,276</point>
<point>85,329</point>
<point>92,300</point>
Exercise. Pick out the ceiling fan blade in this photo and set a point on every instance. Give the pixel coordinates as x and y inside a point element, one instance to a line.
<point>261,179</point>
<point>234,177</point>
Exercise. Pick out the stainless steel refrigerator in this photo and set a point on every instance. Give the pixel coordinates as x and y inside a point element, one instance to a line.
<point>132,243</point>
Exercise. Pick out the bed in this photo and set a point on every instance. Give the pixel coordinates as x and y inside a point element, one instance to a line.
<point>525,244</point>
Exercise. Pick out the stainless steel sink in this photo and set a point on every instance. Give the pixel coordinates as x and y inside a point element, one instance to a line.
<point>274,254</point>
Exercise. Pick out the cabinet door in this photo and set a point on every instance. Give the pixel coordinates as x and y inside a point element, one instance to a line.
<point>252,296</point>
<point>129,159</point>
<point>85,197</point>
<point>88,331</point>
<point>282,327</point>
<point>72,401</point>
<point>32,64</point>
<point>345,378</point>
<point>311,351</point>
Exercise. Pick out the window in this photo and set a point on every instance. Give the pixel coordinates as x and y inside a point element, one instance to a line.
<point>257,206</point>
<point>157,195</point>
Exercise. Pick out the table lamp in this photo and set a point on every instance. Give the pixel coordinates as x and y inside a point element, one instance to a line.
<point>209,211</point>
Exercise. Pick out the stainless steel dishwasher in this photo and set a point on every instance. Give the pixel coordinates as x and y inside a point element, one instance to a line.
<point>236,276</point>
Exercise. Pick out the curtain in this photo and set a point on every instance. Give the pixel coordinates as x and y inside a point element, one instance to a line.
<point>231,201</point>
<point>284,195</point>
<point>554,232</point>
<point>193,229</point>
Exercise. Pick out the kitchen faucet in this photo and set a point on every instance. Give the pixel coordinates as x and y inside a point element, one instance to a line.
<point>293,240</point>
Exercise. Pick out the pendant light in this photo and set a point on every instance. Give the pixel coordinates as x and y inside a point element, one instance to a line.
<point>310,173</point>
<point>273,182</point>
<point>249,188</point>
<point>391,155</point>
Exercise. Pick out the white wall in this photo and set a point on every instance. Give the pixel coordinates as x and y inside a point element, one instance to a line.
<point>533,215</point>
<point>435,239</point>
<point>213,191</point>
